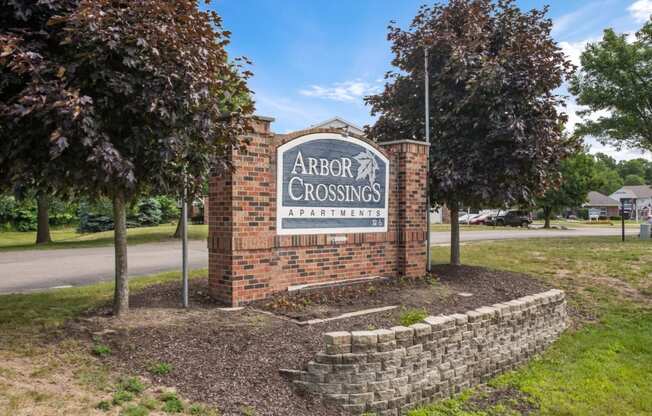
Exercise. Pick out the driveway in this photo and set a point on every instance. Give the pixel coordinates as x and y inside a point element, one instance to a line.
<point>32,270</point>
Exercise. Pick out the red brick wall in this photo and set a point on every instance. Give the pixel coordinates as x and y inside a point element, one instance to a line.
<point>248,261</point>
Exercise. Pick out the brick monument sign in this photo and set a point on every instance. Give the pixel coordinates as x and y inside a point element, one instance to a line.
<point>315,206</point>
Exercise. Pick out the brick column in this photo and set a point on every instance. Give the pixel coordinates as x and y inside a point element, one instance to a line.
<point>241,224</point>
<point>409,159</point>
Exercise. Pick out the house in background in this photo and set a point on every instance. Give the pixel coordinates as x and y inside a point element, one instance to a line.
<point>339,123</point>
<point>601,206</point>
<point>637,201</point>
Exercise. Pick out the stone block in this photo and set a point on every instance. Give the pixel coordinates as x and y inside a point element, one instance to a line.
<point>402,332</point>
<point>364,338</point>
<point>337,338</point>
<point>421,329</point>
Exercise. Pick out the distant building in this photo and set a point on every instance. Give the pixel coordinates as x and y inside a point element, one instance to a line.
<point>602,206</point>
<point>339,123</point>
<point>637,200</point>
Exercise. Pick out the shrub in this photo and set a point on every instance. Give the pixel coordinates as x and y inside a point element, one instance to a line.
<point>7,208</point>
<point>413,316</point>
<point>149,212</point>
<point>94,218</point>
<point>169,208</point>
<point>25,218</point>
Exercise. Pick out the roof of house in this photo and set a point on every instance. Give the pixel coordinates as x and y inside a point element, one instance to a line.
<point>638,191</point>
<point>338,122</point>
<point>596,199</point>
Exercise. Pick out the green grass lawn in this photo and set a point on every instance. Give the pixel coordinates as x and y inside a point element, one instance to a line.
<point>33,314</point>
<point>604,365</point>
<point>567,224</point>
<point>70,238</point>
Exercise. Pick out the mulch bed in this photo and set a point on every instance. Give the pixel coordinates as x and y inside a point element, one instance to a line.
<point>438,295</point>
<point>231,359</point>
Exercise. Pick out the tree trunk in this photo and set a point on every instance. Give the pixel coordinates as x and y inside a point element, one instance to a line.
<point>121,295</point>
<point>455,234</point>
<point>177,232</point>
<point>43,224</point>
<point>547,213</point>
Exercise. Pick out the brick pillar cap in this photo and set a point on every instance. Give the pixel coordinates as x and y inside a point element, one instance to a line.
<point>403,141</point>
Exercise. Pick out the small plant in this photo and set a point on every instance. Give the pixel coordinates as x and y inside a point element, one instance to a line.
<point>122,396</point>
<point>199,410</point>
<point>149,402</point>
<point>134,410</point>
<point>172,404</point>
<point>101,350</point>
<point>248,411</point>
<point>160,369</point>
<point>103,405</point>
<point>412,316</point>
<point>132,385</point>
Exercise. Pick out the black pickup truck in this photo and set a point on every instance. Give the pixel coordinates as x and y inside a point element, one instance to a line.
<point>512,218</point>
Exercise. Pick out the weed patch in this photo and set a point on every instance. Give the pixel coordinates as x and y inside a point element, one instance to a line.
<point>412,316</point>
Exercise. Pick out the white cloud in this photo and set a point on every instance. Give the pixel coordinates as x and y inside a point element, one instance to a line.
<point>641,10</point>
<point>573,50</point>
<point>342,91</point>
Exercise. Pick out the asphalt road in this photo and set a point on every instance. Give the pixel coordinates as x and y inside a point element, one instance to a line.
<point>30,270</point>
<point>34,270</point>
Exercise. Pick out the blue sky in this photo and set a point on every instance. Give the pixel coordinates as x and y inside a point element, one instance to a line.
<point>315,59</point>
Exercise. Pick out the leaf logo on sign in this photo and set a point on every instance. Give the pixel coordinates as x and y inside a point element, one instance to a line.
<point>368,166</point>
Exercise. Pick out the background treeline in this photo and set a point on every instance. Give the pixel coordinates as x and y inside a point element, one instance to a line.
<point>625,172</point>
<point>21,213</point>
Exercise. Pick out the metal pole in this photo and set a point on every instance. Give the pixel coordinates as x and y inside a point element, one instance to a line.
<point>427,115</point>
<point>622,217</point>
<point>184,244</point>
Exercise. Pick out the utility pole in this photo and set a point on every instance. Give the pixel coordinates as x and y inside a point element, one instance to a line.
<point>427,111</point>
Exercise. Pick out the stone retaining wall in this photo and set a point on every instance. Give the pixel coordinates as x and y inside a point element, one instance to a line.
<point>389,371</point>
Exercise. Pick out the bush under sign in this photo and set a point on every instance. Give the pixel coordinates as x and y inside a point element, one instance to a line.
<point>329,183</point>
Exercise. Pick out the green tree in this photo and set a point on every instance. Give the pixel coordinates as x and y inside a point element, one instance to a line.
<point>578,177</point>
<point>633,180</point>
<point>606,160</point>
<point>637,167</point>
<point>29,83</point>
<point>141,99</point>
<point>496,131</point>
<point>607,180</point>
<point>616,79</point>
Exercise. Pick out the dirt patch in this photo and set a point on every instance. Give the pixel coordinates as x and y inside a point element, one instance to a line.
<point>505,398</point>
<point>231,359</point>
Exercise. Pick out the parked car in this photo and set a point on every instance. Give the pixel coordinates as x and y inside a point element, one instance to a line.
<point>483,218</point>
<point>513,218</point>
<point>466,218</point>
